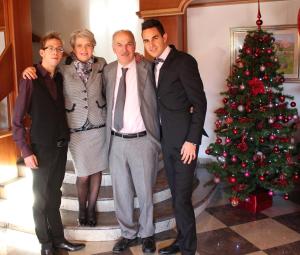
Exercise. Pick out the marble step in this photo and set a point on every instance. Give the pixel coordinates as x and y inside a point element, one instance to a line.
<point>18,215</point>
<point>105,201</point>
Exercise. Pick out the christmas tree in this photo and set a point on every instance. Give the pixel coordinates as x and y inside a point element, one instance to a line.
<point>254,147</point>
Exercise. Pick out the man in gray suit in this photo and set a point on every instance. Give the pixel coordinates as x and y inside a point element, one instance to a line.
<point>132,139</point>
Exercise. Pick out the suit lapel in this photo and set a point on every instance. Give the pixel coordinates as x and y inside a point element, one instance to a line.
<point>141,78</point>
<point>112,74</point>
<point>92,74</point>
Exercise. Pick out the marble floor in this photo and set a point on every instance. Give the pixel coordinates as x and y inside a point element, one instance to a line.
<point>221,230</point>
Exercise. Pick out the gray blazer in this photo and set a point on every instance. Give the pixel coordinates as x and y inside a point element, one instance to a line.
<point>147,98</point>
<point>82,102</point>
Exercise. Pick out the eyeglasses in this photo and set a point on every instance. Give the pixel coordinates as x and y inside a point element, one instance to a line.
<point>52,49</point>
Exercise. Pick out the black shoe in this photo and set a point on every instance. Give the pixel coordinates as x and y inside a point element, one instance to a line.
<point>171,249</point>
<point>92,220</point>
<point>69,246</point>
<point>123,244</point>
<point>82,221</point>
<point>148,244</point>
<point>47,251</point>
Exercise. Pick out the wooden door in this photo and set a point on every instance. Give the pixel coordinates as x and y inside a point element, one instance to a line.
<point>15,55</point>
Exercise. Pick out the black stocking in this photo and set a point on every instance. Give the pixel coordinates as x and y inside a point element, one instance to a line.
<point>94,187</point>
<point>82,184</point>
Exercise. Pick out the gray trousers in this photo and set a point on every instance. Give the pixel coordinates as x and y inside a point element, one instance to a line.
<point>133,164</point>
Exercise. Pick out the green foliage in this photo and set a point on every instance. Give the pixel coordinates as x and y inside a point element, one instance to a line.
<point>254,128</point>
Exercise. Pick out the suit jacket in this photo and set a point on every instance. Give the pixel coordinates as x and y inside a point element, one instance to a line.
<point>84,101</point>
<point>180,87</point>
<point>147,98</point>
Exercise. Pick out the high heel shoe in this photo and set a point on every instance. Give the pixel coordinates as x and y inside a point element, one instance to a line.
<point>92,219</point>
<point>82,221</point>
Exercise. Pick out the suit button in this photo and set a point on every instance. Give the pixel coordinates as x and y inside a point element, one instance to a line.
<point>84,99</point>
<point>85,107</point>
<point>84,91</point>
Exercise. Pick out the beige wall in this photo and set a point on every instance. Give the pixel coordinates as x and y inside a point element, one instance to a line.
<point>102,17</point>
<point>209,43</point>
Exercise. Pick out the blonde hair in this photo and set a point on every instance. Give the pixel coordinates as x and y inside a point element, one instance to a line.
<point>123,31</point>
<point>50,36</point>
<point>82,33</point>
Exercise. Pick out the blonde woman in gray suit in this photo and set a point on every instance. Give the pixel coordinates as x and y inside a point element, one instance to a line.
<point>86,115</point>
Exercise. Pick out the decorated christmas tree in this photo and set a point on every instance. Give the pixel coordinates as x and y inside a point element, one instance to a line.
<point>254,129</point>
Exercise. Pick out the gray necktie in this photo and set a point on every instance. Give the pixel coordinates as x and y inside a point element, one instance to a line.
<point>120,102</point>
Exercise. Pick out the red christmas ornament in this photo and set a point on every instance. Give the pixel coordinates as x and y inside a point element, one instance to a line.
<point>286,196</point>
<point>261,178</point>
<point>261,140</point>
<point>276,149</point>
<point>281,98</point>
<point>219,140</point>
<point>225,154</point>
<point>269,51</point>
<point>247,174</point>
<point>208,151</point>
<point>227,140</point>
<point>234,158</point>
<point>217,179</point>
<point>229,120</point>
<point>296,177</point>
<point>234,201</point>
<point>293,104</point>
<point>272,137</point>
<point>244,164</point>
<point>232,179</point>
<point>247,72</point>
<point>234,105</point>
<point>235,131</point>
<point>225,100</point>
<point>248,51</point>
<point>266,77</point>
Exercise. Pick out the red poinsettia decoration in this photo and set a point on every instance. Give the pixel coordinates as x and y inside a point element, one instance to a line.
<point>257,86</point>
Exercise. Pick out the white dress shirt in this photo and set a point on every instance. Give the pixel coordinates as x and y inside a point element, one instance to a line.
<point>133,121</point>
<point>159,65</point>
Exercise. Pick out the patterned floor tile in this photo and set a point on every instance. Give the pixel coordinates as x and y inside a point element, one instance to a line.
<point>289,249</point>
<point>290,220</point>
<point>223,241</point>
<point>280,207</point>
<point>233,216</point>
<point>266,233</point>
<point>207,222</point>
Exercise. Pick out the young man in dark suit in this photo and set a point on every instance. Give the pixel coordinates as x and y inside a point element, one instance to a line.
<point>182,109</point>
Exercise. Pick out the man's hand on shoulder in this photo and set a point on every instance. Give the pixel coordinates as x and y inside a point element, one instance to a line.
<point>31,161</point>
<point>29,73</point>
<point>188,152</point>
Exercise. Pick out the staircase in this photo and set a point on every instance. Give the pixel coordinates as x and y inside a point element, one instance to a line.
<point>16,201</point>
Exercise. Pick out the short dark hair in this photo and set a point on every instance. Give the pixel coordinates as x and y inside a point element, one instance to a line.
<point>49,36</point>
<point>150,23</point>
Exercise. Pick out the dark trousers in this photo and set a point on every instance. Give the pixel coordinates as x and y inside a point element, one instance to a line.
<point>180,178</point>
<point>47,181</point>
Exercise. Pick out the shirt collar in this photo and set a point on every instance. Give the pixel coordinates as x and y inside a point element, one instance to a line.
<point>165,53</point>
<point>43,71</point>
